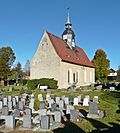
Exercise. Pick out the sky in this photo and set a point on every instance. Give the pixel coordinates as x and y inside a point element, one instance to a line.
<point>96,24</point>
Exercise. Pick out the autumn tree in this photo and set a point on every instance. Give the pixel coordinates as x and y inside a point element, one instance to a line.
<point>7,57</point>
<point>101,64</point>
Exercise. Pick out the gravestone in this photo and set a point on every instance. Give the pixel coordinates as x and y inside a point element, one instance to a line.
<point>21,105</point>
<point>57,99</point>
<point>99,87</point>
<point>93,110</point>
<point>79,99</point>
<point>27,121</point>
<point>5,110</point>
<point>71,100</point>
<point>85,102</point>
<point>50,102</point>
<point>42,112</point>
<point>31,104</point>
<point>61,104</point>
<point>42,105</point>
<point>10,122</point>
<point>69,107</point>
<point>1,105</point>
<point>9,98</point>
<point>95,99</point>
<point>53,107</point>
<point>32,95</point>
<point>74,115</point>
<point>17,98</point>
<point>28,112</point>
<point>75,101</point>
<point>10,105</point>
<point>10,89</point>
<point>14,102</point>
<point>16,113</point>
<point>63,98</point>
<point>45,122</point>
<point>57,115</point>
<point>5,101</point>
<point>112,88</point>
<point>48,97</point>
<point>23,100</point>
<point>88,97</point>
<point>66,99</point>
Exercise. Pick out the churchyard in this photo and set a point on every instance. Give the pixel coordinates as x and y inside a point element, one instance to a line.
<point>86,109</point>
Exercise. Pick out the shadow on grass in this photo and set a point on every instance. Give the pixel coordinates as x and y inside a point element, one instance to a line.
<point>101,127</point>
<point>69,128</point>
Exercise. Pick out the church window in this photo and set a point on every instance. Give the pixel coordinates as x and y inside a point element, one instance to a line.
<point>68,76</point>
<point>74,77</point>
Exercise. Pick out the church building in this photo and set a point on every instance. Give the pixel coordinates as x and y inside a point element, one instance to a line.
<point>62,59</point>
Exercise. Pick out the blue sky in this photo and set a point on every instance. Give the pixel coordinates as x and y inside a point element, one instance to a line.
<point>96,24</point>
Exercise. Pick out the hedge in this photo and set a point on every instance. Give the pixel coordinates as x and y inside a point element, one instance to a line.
<point>51,83</point>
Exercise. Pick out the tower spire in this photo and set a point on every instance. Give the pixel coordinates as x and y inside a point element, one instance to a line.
<point>68,35</point>
<point>68,17</point>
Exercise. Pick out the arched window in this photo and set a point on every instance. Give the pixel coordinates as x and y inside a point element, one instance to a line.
<point>68,76</point>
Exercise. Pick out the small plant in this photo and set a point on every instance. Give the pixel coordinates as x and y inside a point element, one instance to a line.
<point>22,90</point>
<point>36,104</point>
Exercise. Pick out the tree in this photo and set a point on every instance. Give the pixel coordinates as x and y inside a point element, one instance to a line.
<point>18,71</point>
<point>27,69</point>
<point>101,64</point>
<point>7,57</point>
<point>118,74</point>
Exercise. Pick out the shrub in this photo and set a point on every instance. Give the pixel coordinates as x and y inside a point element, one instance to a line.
<point>51,83</point>
<point>23,81</point>
<point>22,90</point>
<point>36,104</point>
<point>29,91</point>
<point>32,84</point>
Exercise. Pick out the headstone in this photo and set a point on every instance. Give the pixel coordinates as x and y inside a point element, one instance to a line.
<point>95,99</point>
<point>16,113</point>
<point>66,100</point>
<point>21,105</point>
<point>10,105</point>
<point>99,87</point>
<point>74,115</point>
<point>39,95</point>
<point>5,101</point>
<point>5,110</point>
<point>27,121</point>
<point>51,101</point>
<point>53,107</point>
<point>79,99</point>
<point>61,104</point>
<point>1,105</point>
<point>57,100</point>
<point>40,99</point>
<point>93,108</point>
<point>9,98</point>
<point>32,95</point>
<point>48,97</point>
<point>112,88</point>
<point>42,105</point>
<point>45,122</point>
<point>10,89</point>
<point>49,91</point>
<point>24,95</point>
<point>63,97</point>
<point>71,100</point>
<point>101,114</point>
<point>69,107</point>
<point>10,122</point>
<point>31,104</point>
<point>28,112</point>
<point>85,102</point>
<point>14,102</point>
<point>42,112</point>
<point>75,101</point>
<point>17,98</point>
<point>57,115</point>
<point>23,100</point>
<point>88,97</point>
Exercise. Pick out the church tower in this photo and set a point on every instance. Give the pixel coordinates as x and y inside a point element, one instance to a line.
<point>68,35</point>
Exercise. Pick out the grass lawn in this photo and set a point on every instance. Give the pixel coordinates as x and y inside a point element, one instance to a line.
<point>108,101</point>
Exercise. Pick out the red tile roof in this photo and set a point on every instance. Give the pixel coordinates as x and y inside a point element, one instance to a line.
<point>66,54</point>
